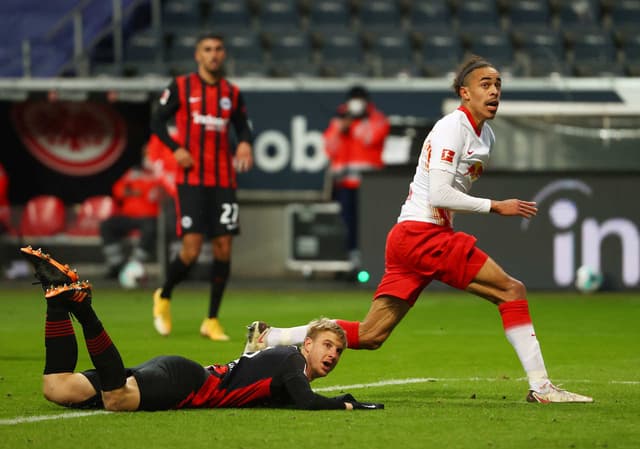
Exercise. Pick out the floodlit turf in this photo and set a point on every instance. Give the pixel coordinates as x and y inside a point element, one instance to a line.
<point>447,375</point>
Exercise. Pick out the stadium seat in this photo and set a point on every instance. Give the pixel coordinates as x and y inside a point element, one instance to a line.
<point>91,212</point>
<point>394,54</point>
<point>276,17</point>
<point>631,49</point>
<point>228,17</point>
<point>143,46</point>
<point>427,15</point>
<point>495,45</point>
<point>292,55</point>
<point>244,47</point>
<point>342,54</point>
<point>528,15</point>
<point>625,17</point>
<point>327,15</point>
<point>577,17</point>
<point>543,53</point>
<point>440,53</point>
<point>43,216</point>
<point>379,15</point>
<point>245,55</point>
<point>594,54</point>
<point>478,12</point>
<point>182,47</point>
<point>573,13</point>
<point>181,15</point>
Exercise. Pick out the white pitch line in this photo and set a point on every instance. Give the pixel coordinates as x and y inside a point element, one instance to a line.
<point>417,380</point>
<point>382,383</point>
<point>28,419</point>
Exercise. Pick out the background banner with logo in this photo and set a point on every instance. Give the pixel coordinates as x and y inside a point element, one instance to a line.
<point>70,149</point>
<point>77,149</point>
<point>583,219</point>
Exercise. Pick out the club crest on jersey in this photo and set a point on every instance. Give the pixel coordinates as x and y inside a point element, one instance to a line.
<point>475,170</point>
<point>225,103</point>
<point>165,96</point>
<point>447,156</point>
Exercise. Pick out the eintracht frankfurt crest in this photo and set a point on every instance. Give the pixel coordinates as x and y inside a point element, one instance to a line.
<point>75,138</point>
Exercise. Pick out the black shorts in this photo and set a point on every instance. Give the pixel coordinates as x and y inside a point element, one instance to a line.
<point>212,211</point>
<point>164,382</point>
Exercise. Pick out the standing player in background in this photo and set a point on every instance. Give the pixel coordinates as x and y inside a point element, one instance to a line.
<point>422,245</point>
<point>204,105</point>
<point>354,141</point>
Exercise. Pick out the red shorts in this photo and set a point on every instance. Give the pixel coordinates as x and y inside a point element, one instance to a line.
<point>417,253</point>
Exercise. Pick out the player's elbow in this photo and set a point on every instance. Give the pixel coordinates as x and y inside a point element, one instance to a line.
<point>372,342</point>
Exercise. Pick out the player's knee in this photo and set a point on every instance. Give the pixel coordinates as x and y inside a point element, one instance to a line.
<point>189,255</point>
<point>515,290</point>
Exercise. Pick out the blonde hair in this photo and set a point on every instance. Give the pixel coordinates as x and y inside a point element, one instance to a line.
<point>319,325</point>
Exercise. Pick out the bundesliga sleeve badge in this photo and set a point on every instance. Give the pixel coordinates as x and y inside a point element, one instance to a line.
<point>447,156</point>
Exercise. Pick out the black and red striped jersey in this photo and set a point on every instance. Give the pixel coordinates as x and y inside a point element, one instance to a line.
<point>203,114</point>
<point>273,377</point>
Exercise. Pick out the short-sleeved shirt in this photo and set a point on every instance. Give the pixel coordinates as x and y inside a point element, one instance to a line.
<point>454,145</point>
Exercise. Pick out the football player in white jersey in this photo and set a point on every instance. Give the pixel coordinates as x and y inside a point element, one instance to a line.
<point>422,245</point>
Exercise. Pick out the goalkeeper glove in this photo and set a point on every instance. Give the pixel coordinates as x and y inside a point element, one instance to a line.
<point>359,405</point>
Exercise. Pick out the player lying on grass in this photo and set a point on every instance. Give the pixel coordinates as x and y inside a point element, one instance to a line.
<point>277,377</point>
<point>422,246</point>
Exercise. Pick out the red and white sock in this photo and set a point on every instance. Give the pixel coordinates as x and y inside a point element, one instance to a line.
<point>520,333</point>
<point>352,329</point>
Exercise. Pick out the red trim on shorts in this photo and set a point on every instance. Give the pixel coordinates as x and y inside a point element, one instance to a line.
<point>515,313</point>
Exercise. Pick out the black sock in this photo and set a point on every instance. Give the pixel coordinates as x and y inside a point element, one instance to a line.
<point>219,276</point>
<point>176,273</point>
<point>61,347</point>
<point>103,352</point>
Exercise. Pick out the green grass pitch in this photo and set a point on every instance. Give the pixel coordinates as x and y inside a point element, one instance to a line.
<point>447,375</point>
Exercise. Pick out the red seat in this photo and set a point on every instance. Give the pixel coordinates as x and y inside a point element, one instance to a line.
<point>91,213</point>
<point>43,215</point>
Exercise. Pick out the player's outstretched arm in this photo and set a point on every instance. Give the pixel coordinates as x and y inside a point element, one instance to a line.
<point>514,207</point>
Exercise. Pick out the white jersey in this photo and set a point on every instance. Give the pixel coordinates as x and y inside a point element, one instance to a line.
<point>454,146</point>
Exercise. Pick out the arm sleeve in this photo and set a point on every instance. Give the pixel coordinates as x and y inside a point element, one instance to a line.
<point>169,103</point>
<point>241,121</point>
<point>299,389</point>
<point>442,194</point>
